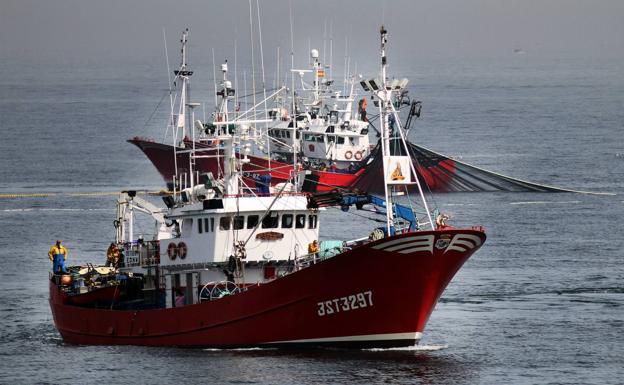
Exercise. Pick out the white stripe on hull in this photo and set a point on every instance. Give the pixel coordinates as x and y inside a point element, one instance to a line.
<point>463,242</point>
<point>425,242</point>
<point>415,249</point>
<point>367,337</point>
<point>402,240</point>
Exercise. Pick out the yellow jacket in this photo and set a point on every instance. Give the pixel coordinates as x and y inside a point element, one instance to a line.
<point>313,248</point>
<point>57,250</point>
<point>112,254</point>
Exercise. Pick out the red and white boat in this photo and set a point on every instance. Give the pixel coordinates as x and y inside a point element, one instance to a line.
<point>323,134</point>
<point>229,267</point>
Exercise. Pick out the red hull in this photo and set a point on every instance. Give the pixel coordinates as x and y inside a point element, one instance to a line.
<point>161,156</point>
<point>438,176</point>
<point>395,287</point>
<point>328,181</point>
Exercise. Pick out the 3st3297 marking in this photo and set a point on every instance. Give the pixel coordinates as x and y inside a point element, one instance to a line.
<point>348,303</point>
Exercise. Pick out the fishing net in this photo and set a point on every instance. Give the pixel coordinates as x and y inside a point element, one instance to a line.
<point>442,174</point>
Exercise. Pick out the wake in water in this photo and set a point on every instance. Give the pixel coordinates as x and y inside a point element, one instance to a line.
<point>238,349</point>
<point>544,202</point>
<point>415,348</point>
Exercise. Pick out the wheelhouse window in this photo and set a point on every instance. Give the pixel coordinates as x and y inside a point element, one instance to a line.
<point>206,225</point>
<point>212,224</point>
<point>239,222</point>
<point>312,221</point>
<point>200,227</point>
<point>287,221</point>
<point>300,221</point>
<point>313,138</point>
<point>187,225</point>
<point>340,140</point>
<point>252,221</point>
<point>271,221</point>
<point>224,223</point>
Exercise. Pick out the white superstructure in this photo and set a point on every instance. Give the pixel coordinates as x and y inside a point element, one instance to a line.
<point>219,233</point>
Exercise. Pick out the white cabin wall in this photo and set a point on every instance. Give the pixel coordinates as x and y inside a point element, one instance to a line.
<point>218,245</point>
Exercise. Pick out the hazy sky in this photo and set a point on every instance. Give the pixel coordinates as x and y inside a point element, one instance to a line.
<point>120,31</point>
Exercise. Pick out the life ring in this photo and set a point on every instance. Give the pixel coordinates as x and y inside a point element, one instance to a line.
<point>358,155</point>
<point>182,250</point>
<point>311,147</point>
<point>172,251</point>
<point>348,155</point>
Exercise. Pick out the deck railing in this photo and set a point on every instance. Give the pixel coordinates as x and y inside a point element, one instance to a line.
<point>141,253</point>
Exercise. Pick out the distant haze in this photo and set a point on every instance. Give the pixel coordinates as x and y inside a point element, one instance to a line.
<point>122,31</point>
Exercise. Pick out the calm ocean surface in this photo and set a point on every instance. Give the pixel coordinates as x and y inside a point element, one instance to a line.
<point>541,303</point>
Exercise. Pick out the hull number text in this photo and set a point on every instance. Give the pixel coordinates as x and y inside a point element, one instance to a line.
<point>342,304</point>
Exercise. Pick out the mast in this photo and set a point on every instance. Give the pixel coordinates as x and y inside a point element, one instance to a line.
<point>183,73</point>
<point>385,96</point>
<point>331,50</point>
<point>316,65</point>
<point>264,94</point>
<point>253,67</point>
<point>293,95</point>
<point>386,108</point>
<point>229,159</point>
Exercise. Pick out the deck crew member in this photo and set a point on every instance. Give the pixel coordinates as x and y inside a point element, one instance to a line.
<point>180,300</point>
<point>313,249</point>
<point>58,254</point>
<point>441,221</point>
<point>362,109</point>
<point>113,255</point>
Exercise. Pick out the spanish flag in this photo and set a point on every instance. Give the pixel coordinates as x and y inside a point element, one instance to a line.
<point>320,73</point>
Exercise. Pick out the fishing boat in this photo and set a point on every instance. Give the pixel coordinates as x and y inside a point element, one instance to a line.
<point>190,134</point>
<point>231,265</point>
<point>324,130</point>
<point>322,133</point>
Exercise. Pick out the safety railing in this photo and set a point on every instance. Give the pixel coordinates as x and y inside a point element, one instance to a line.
<point>141,253</point>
